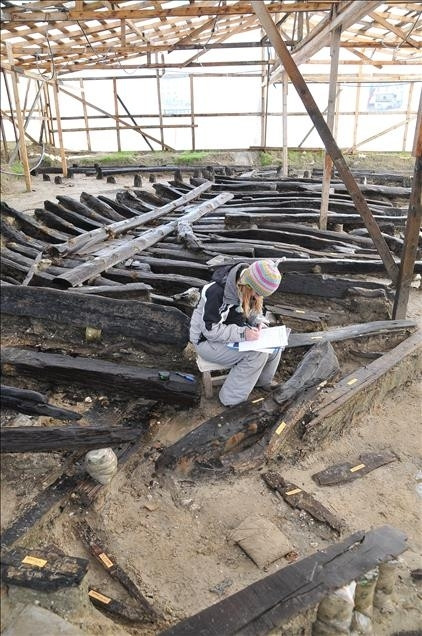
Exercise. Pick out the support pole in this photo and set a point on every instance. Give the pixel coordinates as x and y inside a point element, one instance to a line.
<point>328,164</point>
<point>14,152</point>
<point>59,128</point>
<point>192,111</point>
<point>413,225</point>
<point>88,138</point>
<point>116,112</point>
<point>22,144</point>
<point>160,109</point>
<point>357,108</point>
<point>326,136</point>
<point>285,83</point>
<point>12,119</point>
<point>409,110</point>
<point>48,115</point>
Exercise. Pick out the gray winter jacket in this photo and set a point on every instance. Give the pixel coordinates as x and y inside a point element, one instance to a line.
<point>219,316</point>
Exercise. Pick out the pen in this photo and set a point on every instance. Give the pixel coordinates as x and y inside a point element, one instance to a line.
<point>187,376</point>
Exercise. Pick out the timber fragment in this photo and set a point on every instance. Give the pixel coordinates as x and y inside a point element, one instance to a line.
<point>33,403</point>
<point>101,374</point>
<point>134,319</point>
<point>350,471</point>
<point>41,569</point>
<point>299,498</point>
<point>41,439</point>
<point>242,425</point>
<point>97,549</point>
<point>117,608</point>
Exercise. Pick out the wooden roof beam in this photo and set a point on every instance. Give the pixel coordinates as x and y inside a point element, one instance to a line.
<point>390,27</point>
<point>320,35</point>
<point>191,10</point>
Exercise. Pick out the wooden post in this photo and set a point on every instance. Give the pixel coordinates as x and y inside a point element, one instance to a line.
<point>12,119</point>
<point>48,115</point>
<point>59,128</point>
<point>3,136</point>
<point>22,144</point>
<point>285,141</point>
<point>336,114</point>
<point>160,110</point>
<point>88,138</point>
<point>409,109</point>
<point>326,136</point>
<point>328,163</point>
<point>356,117</point>
<point>116,112</point>
<point>192,111</point>
<point>413,225</point>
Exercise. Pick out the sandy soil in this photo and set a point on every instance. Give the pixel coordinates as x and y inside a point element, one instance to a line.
<point>172,534</point>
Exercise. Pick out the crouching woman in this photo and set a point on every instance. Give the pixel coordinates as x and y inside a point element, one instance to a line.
<point>231,310</point>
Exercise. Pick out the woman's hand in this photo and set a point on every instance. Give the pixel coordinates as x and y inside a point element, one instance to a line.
<point>252,333</point>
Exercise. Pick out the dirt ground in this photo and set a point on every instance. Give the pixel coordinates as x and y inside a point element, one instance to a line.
<point>172,533</point>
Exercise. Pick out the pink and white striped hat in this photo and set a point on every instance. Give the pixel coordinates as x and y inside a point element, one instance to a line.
<point>262,276</point>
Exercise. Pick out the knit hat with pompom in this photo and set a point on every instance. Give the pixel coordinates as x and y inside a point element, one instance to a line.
<point>262,276</point>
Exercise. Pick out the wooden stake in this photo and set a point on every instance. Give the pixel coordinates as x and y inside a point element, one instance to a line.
<point>59,128</point>
<point>408,113</point>
<point>326,136</point>
<point>160,110</point>
<point>192,111</point>
<point>285,142</point>
<point>328,163</point>
<point>88,138</point>
<point>413,225</point>
<point>22,144</point>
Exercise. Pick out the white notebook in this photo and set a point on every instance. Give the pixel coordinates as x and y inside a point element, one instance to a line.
<point>269,339</point>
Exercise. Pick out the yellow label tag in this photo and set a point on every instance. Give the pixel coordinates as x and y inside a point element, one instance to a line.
<point>316,337</point>
<point>356,468</point>
<point>104,558</point>
<point>100,597</point>
<point>30,560</point>
<point>280,428</point>
<point>293,492</point>
<point>257,400</point>
<point>299,311</point>
<point>352,381</point>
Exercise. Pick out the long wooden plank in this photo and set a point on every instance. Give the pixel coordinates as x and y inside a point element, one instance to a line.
<point>134,319</point>
<point>364,330</point>
<point>359,391</point>
<point>100,374</point>
<point>40,439</point>
<point>87,270</point>
<point>268,603</point>
<point>37,509</point>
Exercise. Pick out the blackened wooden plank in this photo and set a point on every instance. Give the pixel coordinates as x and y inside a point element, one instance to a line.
<point>110,564</point>
<point>299,498</point>
<point>134,319</point>
<point>35,511</point>
<point>268,603</point>
<point>350,471</point>
<point>41,439</point>
<point>102,375</point>
<point>33,403</point>
<point>41,569</point>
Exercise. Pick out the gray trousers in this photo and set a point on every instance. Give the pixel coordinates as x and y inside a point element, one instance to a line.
<point>248,369</point>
